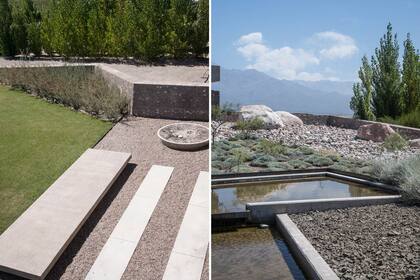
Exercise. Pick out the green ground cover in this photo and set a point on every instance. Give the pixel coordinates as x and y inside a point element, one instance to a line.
<point>38,142</point>
<point>253,155</point>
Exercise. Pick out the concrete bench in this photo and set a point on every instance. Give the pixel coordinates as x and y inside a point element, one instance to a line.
<point>33,243</point>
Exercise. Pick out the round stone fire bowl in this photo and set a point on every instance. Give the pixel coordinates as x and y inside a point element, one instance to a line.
<point>184,136</point>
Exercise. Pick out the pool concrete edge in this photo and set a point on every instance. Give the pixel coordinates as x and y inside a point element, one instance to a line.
<point>265,212</point>
<point>310,261</point>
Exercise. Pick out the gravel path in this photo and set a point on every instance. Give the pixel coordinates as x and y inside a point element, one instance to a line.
<point>321,137</point>
<point>137,136</point>
<point>373,242</point>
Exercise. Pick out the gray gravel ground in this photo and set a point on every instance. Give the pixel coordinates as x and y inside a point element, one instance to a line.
<point>322,137</point>
<point>373,242</point>
<point>137,136</point>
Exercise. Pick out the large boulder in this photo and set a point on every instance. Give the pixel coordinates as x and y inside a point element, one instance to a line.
<point>376,132</point>
<point>266,114</point>
<point>289,119</point>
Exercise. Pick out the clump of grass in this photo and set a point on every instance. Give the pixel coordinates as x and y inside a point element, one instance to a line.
<point>404,173</point>
<point>319,161</point>
<point>248,126</point>
<point>79,87</point>
<point>270,148</point>
<point>395,142</point>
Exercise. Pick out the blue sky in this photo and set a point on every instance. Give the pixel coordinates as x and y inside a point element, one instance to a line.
<point>304,39</point>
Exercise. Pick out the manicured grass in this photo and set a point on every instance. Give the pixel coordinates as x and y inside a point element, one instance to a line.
<point>38,142</point>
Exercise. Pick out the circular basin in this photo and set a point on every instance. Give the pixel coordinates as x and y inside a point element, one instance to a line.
<point>184,136</point>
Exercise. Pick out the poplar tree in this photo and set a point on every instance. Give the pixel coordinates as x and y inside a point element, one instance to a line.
<point>386,77</point>
<point>7,46</point>
<point>361,102</point>
<point>410,77</point>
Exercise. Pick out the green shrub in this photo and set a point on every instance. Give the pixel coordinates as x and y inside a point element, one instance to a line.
<point>262,161</point>
<point>319,161</point>
<point>395,142</point>
<point>278,166</point>
<point>248,126</point>
<point>77,87</point>
<point>411,119</point>
<point>298,164</point>
<point>270,148</point>
<point>306,150</point>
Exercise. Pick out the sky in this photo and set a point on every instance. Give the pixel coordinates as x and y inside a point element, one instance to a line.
<point>304,39</point>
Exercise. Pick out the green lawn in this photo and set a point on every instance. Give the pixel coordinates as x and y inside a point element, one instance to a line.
<point>38,142</point>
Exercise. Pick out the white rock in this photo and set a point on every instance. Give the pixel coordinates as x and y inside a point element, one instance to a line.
<point>289,119</point>
<point>266,114</point>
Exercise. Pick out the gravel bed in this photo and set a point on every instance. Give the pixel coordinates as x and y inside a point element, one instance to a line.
<point>321,137</point>
<point>373,242</point>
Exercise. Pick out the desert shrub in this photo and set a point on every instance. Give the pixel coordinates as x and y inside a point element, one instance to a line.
<point>298,164</point>
<point>404,173</point>
<point>77,87</point>
<point>278,166</point>
<point>242,153</point>
<point>262,161</point>
<point>270,148</point>
<point>319,161</point>
<point>305,150</point>
<point>395,142</point>
<point>248,126</point>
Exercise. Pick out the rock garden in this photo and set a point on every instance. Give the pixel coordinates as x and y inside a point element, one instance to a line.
<point>371,242</point>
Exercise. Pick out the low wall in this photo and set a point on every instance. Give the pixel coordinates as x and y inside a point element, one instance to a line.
<point>350,123</point>
<point>179,102</point>
<point>171,101</point>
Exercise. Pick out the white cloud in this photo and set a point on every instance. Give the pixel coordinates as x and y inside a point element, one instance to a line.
<point>255,37</point>
<point>336,45</point>
<point>293,63</point>
<point>282,63</point>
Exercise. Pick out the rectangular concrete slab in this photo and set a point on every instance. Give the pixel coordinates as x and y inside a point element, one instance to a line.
<point>309,259</point>
<point>33,243</point>
<point>189,251</point>
<point>117,251</point>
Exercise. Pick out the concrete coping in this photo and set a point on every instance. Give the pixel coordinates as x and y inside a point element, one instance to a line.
<point>220,182</point>
<point>310,261</point>
<point>263,212</point>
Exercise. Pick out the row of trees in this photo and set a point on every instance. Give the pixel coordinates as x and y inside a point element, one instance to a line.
<point>386,90</point>
<point>97,28</point>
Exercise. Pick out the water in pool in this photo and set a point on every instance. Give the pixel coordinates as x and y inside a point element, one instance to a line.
<point>252,253</point>
<point>233,198</point>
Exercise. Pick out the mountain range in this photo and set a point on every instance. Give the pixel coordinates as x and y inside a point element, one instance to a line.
<point>248,87</point>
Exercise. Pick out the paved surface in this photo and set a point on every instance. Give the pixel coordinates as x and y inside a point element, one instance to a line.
<point>115,255</point>
<point>192,241</point>
<point>32,244</point>
<point>156,74</point>
<point>138,137</point>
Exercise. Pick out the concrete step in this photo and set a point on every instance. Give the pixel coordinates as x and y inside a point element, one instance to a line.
<point>188,254</point>
<point>33,243</point>
<point>117,251</point>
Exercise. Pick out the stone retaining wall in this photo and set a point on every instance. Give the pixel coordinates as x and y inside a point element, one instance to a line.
<point>180,102</point>
<point>350,123</point>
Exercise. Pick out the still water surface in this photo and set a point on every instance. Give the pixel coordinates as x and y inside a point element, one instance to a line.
<point>233,198</point>
<point>250,254</point>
